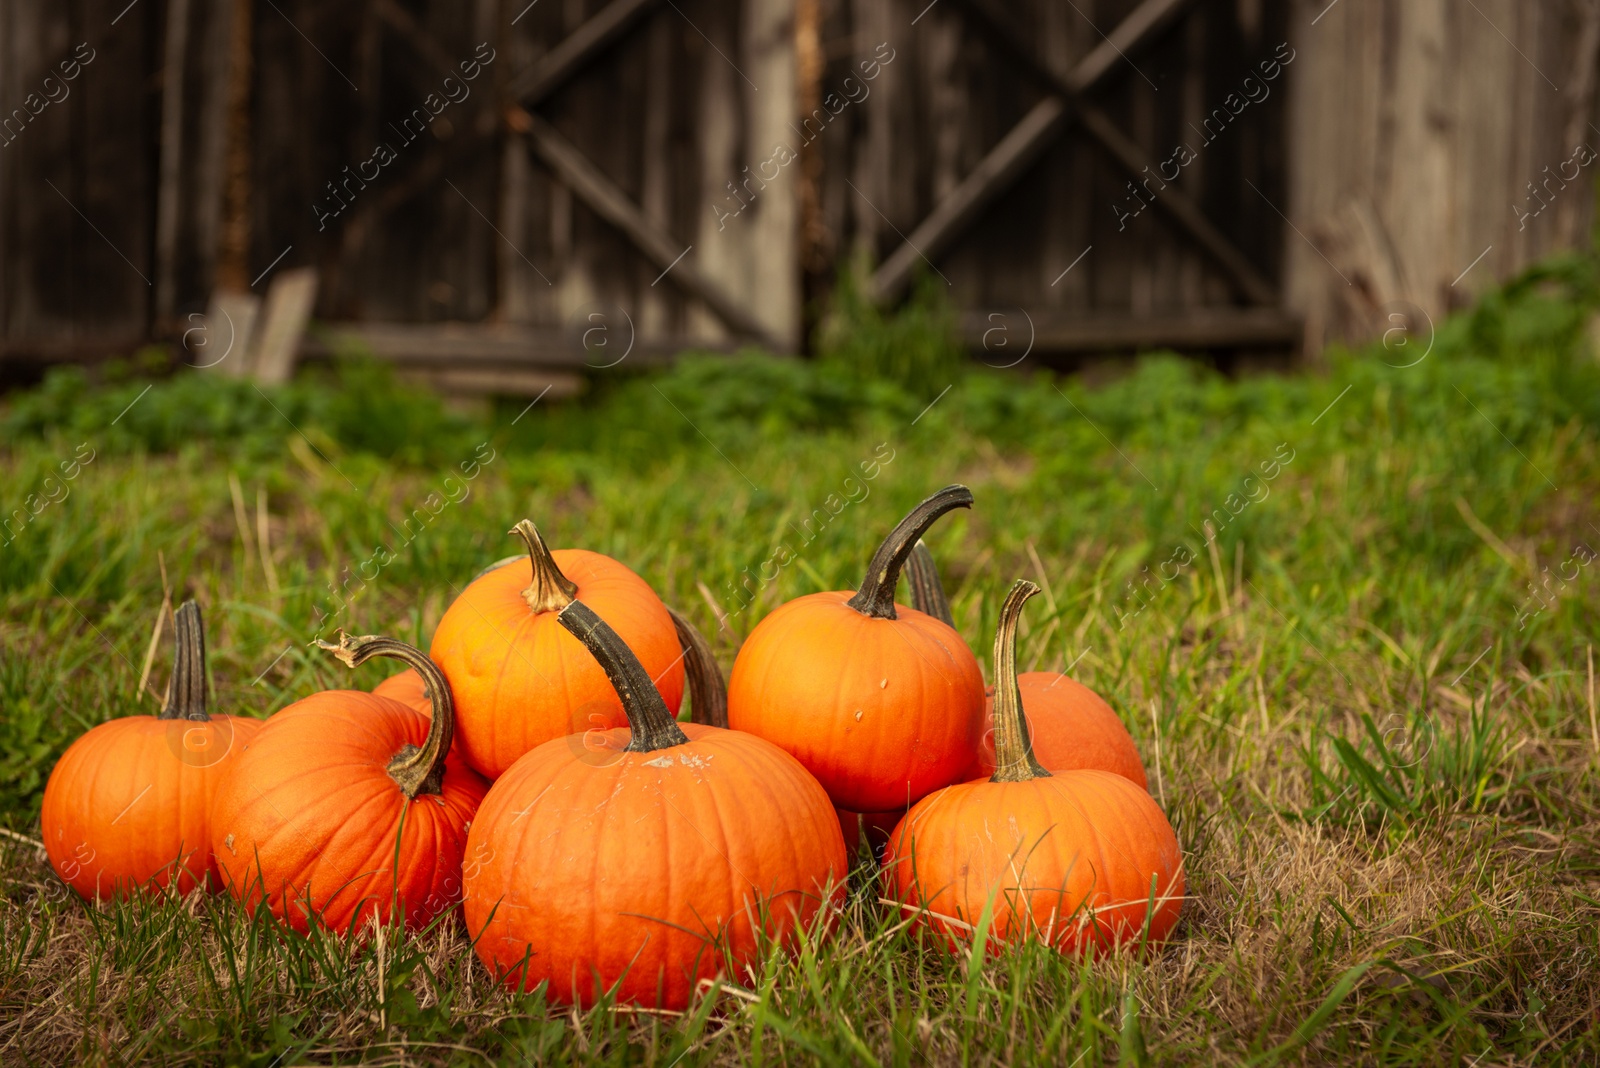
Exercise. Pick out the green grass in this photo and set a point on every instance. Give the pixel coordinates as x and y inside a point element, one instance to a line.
<point>1379,758</point>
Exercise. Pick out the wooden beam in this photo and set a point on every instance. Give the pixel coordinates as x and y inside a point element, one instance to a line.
<point>487,346</point>
<point>573,53</point>
<point>1142,23</point>
<point>1006,161</point>
<point>1181,207</point>
<point>1200,328</point>
<point>603,197</point>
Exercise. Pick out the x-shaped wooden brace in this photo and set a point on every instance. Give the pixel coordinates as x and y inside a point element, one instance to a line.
<point>1038,128</point>
<point>566,161</point>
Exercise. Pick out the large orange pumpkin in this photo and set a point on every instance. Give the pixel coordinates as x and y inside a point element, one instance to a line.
<point>519,679</point>
<point>348,807</point>
<point>882,703</point>
<point>128,805</point>
<point>643,860</point>
<point>927,597</point>
<point>1082,860</point>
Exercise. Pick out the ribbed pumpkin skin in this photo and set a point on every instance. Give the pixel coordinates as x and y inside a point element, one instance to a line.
<point>808,668</point>
<point>1083,844</point>
<point>609,865</point>
<point>407,688</point>
<point>1071,727</point>
<point>124,811</point>
<point>520,680</point>
<point>312,798</point>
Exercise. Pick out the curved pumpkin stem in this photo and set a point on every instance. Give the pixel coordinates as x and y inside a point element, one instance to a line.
<point>927,592</point>
<point>708,693</point>
<point>1013,749</point>
<point>652,724</point>
<point>551,590</point>
<point>415,770</point>
<point>186,689</point>
<point>876,596</point>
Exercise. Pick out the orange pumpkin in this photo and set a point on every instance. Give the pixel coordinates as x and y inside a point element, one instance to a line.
<point>348,808</point>
<point>1082,860</point>
<point>519,679</point>
<point>1071,728</point>
<point>643,860</point>
<point>408,688</point>
<point>883,704</point>
<point>927,597</point>
<point>127,807</point>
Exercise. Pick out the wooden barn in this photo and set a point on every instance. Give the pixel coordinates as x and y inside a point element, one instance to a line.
<point>495,193</point>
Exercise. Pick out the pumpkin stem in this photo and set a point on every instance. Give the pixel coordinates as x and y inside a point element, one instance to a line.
<point>652,725</point>
<point>708,693</point>
<point>1013,749</point>
<point>551,590</point>
<point>186,689</point>
<point>927,592</point>
<point>415,770</point>
<point>876,596</point>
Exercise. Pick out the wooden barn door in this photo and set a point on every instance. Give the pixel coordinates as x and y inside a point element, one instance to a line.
<point>1104,174</point>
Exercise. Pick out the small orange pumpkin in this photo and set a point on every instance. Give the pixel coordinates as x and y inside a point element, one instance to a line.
<point>348,807</point>
<point>646,859</point>
<point>1070,726</point>
<point>127,807</point>
<point>883,704</point>
<point>519,679</point>
<point>1082,860</point>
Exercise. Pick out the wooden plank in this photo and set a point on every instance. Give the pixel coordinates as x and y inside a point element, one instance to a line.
<point>230,333</point>
<point>1200,329</point>
<point>459,345</point>
<point>170,177</point>
<point>284,316</point>
<point>576,50</point>
<point>605,199</point>
<point>1030,137</point>
<point>507,382</point>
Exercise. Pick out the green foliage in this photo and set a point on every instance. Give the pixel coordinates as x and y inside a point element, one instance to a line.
<point>358,405</point>
<point>916,346</point>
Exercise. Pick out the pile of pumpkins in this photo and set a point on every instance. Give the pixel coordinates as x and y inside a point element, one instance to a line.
<point>531,770</point>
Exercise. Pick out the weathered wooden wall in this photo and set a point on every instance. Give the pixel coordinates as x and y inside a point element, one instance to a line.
<point>1418,132</point>
<point>196,149</point>
<point>954,89</point>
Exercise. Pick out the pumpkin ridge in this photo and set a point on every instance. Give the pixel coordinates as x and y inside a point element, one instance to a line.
<point>769,782</point>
